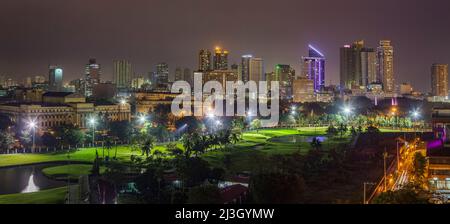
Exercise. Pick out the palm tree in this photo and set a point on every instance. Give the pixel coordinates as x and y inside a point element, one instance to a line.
<point>188,145</point>
<point>234,137</point>
<point>148,146</point>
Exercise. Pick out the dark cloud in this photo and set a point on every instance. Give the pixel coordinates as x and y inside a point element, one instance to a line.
<point>34,33</point>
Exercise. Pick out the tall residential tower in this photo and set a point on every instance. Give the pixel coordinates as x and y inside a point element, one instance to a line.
<point>385,65</point>
<point>313,68</point>
<point>439,80</point>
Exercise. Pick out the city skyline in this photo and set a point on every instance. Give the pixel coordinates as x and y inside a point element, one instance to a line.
<point>36,39</point>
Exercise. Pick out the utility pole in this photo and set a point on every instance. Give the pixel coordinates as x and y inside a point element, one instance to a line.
<point>398,158</point>
<point>365,184</point>
<point>385,154</point>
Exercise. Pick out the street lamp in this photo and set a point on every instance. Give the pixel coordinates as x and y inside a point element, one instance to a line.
<point>347,110</point>
<point>32,125</point>
<point>92,122</point>
<point>415,116</point>
<point>142,118</point>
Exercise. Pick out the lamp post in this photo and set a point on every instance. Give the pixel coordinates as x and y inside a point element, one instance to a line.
<point>93,122</point>
<point>347,110</point>
<point>365,184</point>
<point>415,116</point>
<point>122,103</point>
<point>32,125</point>
<point>385,155</point>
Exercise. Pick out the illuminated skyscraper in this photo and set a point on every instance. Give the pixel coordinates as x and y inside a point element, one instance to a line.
<point>92,76</point>
<point>314,68</point>
<point>369,67</point>
<point>188,76</point>
<point>385,65</point>
<point>351,65</point>
<point>256,70</point>
<point>439,80</point>
<point>123,74</point>
<point>220,59</point>
<point>178,74</point>
<point>55,77</point>
<point>285,75</point>
<point>245,67</point>
<point>204,60</point>
<point>162,75</point>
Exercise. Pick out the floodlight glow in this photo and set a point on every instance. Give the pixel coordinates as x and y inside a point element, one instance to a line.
<point>142,119</point>
<point>92,121</point>
<point>314,49</point>
<point>32,124</point>
<point>347,110</point>
<point>123,101</point>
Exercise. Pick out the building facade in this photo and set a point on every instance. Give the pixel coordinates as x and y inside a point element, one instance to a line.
<point>256,70</point>
<point>439,80</point>
<point>123,75</point>
<point>385,65</point>
<point>204,60</point>
<point>59,108</point>
<point>162,75</point>
<point>285,74</point>
<point>220,59</point>
<point>303,90</point>
<point>91,77</point>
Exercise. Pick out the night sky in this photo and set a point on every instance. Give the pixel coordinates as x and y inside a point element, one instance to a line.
<point>35,33</point>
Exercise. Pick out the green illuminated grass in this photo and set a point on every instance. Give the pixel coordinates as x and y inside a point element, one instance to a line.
<point>74,171</point>
<point>82,155</point>
<point>51,196</point>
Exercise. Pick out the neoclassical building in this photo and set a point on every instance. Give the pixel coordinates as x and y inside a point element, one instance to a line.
<point>58,108</point>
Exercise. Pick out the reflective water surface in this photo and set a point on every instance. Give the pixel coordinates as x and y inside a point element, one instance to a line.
<point>297,138</point>
<point>26,179</point>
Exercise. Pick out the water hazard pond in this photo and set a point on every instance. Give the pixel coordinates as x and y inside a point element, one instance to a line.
<point>297,138</point>
<point>24,179</point>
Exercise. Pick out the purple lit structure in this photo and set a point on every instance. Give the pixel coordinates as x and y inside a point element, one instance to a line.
<point>314,66</point>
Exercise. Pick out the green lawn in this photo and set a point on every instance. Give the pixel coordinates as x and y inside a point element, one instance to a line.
<point>252,152</point>
<point>81,155</point>
<point>51,196</point>
<point>74,171</point>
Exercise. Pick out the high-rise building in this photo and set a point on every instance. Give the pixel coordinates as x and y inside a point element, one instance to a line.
<point>236,70</point>
<point>368,67</point>
<point>178,74</point>
<point>162,75</point>
<point>256,70</point>
<point>220,59</point>
<point>285,74</point>
<point>92,77</point>
<point>314,68</point>
<point>351,65</point>
<point>123,74</point>
<point>137,81</point>
<point>221,76</point>
<point>406,89</point>
<point>204,60</point>
<point>385,65</point>
<point>28,82</point>
<point>439,80</point>
<point>55,77</point>
<point>188,76</point>
<point>303,90</point>
<point>245,67</point>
